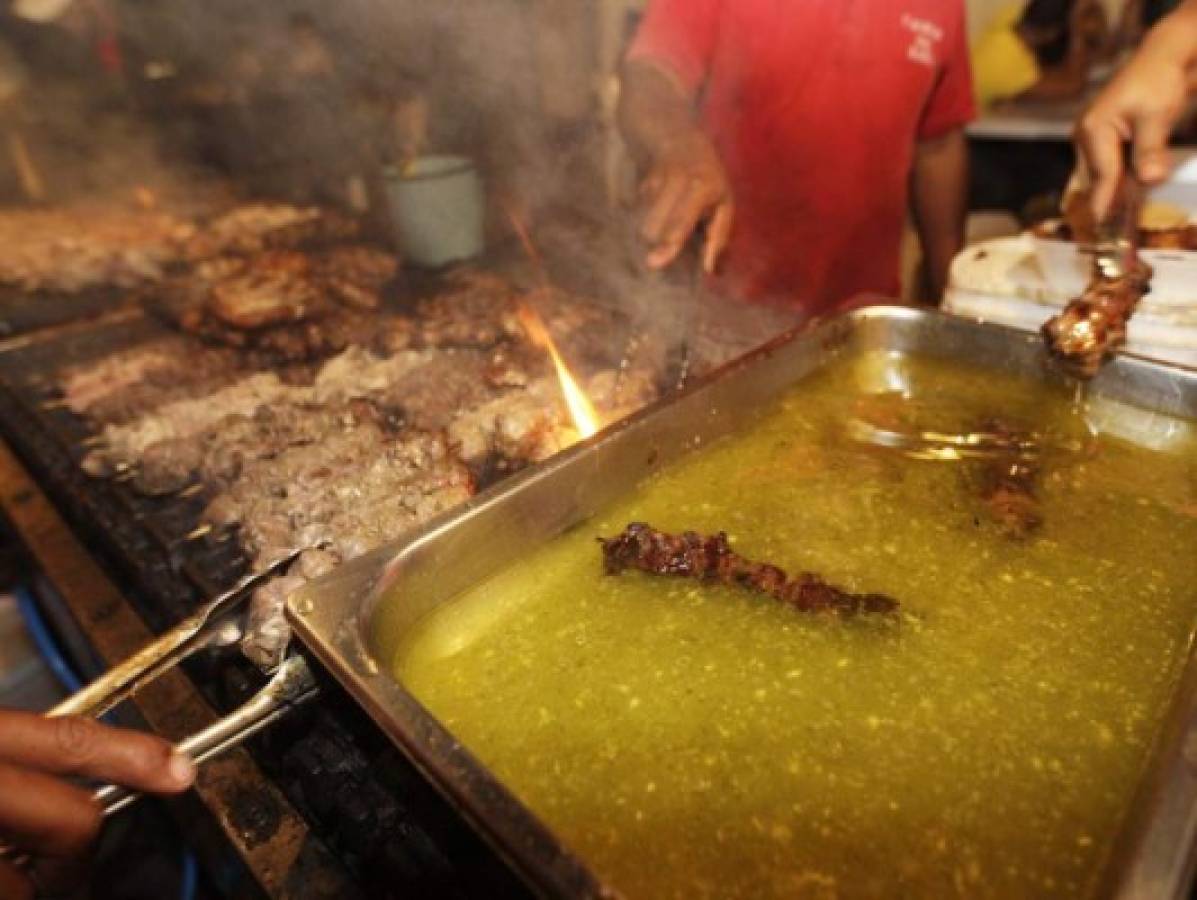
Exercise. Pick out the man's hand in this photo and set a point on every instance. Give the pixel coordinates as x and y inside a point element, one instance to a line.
<point>686,186</point>
<point>45,815</point>
<point>1141,105</point>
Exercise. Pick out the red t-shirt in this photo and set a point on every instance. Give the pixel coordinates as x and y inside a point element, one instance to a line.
<point>815,107</point>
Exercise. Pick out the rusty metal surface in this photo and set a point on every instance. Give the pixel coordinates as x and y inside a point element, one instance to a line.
<point>258,821</point>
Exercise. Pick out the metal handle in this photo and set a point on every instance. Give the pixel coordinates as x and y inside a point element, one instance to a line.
<point>1117,248</point>
<point>291,686</point>
<point>194,633</point>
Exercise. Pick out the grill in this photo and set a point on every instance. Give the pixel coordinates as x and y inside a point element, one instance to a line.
<point>363,799</point>
<point>22,312</point>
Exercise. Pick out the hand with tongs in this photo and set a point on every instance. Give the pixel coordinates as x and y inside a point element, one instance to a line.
<point>62,773</point>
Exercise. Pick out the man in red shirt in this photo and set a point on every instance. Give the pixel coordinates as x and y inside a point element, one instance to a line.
<point>800,132</point>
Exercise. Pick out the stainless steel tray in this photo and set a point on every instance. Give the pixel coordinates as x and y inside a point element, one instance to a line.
<point>391,589</point>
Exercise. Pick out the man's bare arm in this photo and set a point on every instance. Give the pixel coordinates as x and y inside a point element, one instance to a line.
<point>939,198</point>
<point>686,183</point>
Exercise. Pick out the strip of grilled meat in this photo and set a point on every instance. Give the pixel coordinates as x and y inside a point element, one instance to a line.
<point>1094,325</point>
<point>710,558</point>
<point>252,228</point>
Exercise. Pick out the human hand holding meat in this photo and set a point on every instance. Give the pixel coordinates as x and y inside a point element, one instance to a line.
<point>1141,105</point>
<point>49,817</point>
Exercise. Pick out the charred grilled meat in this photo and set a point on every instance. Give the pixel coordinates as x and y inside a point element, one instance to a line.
<point>1094,325</point>
<point>477,311</point>
<point>711,559</point>
<point>287,305</point>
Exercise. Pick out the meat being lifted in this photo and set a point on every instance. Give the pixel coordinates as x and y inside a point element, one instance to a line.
<point>712,559</point>
<point>1094,325</point>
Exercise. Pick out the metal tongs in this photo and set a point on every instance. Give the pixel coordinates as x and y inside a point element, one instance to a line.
<point>1116,250</point>
<point>290,685</point>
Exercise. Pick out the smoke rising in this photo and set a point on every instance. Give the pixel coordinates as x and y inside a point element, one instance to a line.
<point>296,99</point>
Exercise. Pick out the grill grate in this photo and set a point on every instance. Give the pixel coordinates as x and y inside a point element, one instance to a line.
<point>360,796</point>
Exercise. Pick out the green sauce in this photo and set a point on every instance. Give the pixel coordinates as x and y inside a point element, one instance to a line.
<point>694,741</point>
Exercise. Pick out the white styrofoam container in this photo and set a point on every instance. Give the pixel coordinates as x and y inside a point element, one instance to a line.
<point>1066,267</point>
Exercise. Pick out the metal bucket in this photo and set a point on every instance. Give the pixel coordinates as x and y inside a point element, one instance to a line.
<point>438,209</point>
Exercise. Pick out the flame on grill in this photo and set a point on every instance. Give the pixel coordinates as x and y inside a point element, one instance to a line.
<point>581,410</point>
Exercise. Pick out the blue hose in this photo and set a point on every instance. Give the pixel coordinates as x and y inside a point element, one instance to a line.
<point>43,640</point>
<point>47,648</point>
<point>189,876</point>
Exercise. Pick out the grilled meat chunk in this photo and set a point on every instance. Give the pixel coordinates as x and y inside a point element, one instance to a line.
<point>255,227</point>
<point>356,275</point>
<point>476,311</point>
<point>431,395</point>
<point>276,289</point>
<point>353,495</point>
<point>87,246</point>
<point>522,425</point>
<point>711,558</point>
<point>124,445</point>
<point>286,305</point>
<point>1094,325</point>
<point>134,382</point>
<point>216,456</point>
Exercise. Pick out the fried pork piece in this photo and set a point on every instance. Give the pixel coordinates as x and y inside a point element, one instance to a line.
<point>711,558</point>
<point>476,311</point>
<point>1094,325</point>
<point>256,227</point>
